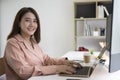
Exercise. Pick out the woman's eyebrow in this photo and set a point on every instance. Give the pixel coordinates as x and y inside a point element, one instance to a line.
<point>30,18</point>
<point>27,18</point>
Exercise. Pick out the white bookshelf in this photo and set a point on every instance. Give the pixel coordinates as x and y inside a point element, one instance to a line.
<point>84,36</point>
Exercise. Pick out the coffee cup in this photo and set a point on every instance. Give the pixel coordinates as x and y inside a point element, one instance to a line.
<point>87,57</point>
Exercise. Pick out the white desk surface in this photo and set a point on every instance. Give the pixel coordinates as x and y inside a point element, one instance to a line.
<point>100,72</point>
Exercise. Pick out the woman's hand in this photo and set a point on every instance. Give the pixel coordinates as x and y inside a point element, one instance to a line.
<point>65,69</point>
<point>72,63</point>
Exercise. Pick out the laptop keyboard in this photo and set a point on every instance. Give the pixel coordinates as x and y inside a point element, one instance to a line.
<point>84,71</point>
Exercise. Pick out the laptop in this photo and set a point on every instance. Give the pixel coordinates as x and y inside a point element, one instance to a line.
<point>85,71</point>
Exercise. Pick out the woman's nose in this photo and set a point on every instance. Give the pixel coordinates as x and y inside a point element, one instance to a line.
<point>31,23</point>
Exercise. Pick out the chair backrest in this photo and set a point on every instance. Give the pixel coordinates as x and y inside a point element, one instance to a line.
<point>2,67</point>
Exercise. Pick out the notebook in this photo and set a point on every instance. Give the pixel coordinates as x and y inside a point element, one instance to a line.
<point>85,71</point>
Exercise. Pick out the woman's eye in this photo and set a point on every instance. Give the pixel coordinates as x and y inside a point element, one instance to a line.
<point>35,21</point>
<point>27,20</point>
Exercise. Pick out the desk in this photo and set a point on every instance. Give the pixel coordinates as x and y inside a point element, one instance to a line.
<point>100,73</point>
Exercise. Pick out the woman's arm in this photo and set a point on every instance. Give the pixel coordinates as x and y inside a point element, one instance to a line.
<point>15,58</point>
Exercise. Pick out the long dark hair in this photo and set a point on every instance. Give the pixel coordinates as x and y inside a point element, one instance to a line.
<point>16,29</point>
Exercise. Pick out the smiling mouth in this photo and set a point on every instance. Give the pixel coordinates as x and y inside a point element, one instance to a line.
<point>31,29</point>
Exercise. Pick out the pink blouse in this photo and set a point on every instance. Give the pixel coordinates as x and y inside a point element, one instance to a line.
<point>22,61</point>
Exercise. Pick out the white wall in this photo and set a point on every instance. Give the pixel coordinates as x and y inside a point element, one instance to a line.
<point>56,18</point>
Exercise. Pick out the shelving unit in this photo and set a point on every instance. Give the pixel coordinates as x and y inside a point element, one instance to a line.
<point>88,24</point>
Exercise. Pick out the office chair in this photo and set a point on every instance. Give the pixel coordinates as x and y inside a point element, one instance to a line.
<point>2,67</point>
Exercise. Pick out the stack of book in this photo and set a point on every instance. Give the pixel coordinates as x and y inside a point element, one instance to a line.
<point>87,30</point>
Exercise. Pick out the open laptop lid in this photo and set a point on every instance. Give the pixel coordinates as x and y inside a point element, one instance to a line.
<point>101,53</point>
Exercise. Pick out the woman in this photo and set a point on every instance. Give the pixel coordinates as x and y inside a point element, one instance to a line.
<point>23,57</point>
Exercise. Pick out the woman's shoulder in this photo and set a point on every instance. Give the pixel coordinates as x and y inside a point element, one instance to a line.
<point>13,39</point>
<point>16,38</point>
<point>13,42</point>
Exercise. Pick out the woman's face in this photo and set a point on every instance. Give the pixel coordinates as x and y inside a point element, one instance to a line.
<point>28,24</point>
